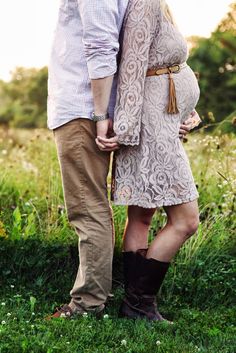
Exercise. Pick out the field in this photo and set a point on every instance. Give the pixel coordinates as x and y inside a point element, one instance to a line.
<point>38,259</point>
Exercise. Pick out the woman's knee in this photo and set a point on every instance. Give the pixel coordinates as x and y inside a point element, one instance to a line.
<point>187,227</point>
<point>192,226</point>
<point>140,215</point>
<point>184,219</point>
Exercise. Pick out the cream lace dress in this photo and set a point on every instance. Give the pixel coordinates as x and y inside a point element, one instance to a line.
<point>152,169</point>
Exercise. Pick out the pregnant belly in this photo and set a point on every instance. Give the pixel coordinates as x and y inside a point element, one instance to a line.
<point>156,93</point>
<point>187,92</point>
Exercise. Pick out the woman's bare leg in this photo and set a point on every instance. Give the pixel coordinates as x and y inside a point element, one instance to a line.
<point>145,274</point>
<point>182,222</point>
<point>137,228</point>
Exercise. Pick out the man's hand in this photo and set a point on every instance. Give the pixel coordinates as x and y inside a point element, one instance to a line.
<point>107,144</point>
<point>106,140</point>
<point>102,127</point>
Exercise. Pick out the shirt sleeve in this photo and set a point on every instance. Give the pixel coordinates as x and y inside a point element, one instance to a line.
<point>140,26</point>
<point>100,36</point>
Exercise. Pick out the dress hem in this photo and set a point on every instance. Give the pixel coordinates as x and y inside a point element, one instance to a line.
<point>117,203</point>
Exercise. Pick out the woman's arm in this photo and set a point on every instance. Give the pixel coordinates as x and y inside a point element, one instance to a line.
<point>139,29</point>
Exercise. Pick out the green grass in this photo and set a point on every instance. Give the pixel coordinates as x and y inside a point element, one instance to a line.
<point>37,276</point>
<point>25,329</point>
<point>39,259</point>
<point>228,125</point>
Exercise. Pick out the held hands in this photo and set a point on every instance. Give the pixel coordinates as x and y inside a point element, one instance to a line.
<point>106,139</point>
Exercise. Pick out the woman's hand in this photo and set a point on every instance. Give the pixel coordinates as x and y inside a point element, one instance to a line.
<point>106,139</point>
<point>107,144</point>
<point>191,122</point>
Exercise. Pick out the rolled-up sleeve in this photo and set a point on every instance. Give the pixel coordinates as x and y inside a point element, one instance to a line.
<point>100,36</point>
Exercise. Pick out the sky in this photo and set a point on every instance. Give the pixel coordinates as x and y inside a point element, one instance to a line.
<point>26,27</point>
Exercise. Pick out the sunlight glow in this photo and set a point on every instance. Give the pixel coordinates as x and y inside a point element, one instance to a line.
<point>26,27</point>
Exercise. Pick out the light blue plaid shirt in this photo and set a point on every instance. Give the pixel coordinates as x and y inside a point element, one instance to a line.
<point>85,47</point>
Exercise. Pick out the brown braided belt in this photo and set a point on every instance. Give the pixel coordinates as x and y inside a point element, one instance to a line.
<point>174,69</point>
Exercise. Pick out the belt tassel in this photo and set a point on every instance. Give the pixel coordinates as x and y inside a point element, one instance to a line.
<point>172,105</point>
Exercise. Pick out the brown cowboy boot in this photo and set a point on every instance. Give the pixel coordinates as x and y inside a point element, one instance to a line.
<point>129,265</point>
<point>129,270</point>
<point>145,277</point>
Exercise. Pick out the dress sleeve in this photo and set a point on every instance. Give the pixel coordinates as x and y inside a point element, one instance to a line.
<point>140,26</point>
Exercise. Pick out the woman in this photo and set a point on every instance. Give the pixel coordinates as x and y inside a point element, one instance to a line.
<point>157,91</point>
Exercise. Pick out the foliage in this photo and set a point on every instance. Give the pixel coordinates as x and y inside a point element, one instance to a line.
<point>39,258</point>
<point>227,125</point>
<point>215,60</point>
<point>23,99</point>
<point>229,21</point>
<point>194,332</point>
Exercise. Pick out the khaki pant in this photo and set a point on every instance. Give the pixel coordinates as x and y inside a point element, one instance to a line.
<point>84,170</point>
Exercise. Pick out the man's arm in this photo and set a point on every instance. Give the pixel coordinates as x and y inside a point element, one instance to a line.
<point>101,89</point>
<point>101,45</point>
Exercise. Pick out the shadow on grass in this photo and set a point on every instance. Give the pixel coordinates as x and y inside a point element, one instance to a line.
<point>49,269</point>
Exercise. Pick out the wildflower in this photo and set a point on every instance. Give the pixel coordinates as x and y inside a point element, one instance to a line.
<point>3,322</point>
<point>8,314</point>
<point>4,152</point>
<point>123,342</point>
<point>158,343</point>
<point>2,230</point>
<point>85,314</point>
<point>33,314</point>
<point>32,326</point>
<point>12,286</point>
<point>3,304</point>
<point>105,316</point>
<point>68,342</point>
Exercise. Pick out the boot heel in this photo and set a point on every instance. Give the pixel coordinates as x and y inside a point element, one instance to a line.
<point>144,278</point>
<point>127,312</point>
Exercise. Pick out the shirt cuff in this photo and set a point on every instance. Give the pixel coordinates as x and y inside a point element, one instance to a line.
<point>101,67</point>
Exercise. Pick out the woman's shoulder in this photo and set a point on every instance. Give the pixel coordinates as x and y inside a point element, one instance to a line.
<point>137,8</point>
<point>139,5</point>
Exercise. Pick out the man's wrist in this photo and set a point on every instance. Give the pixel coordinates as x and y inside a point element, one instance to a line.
<point>100,117</point>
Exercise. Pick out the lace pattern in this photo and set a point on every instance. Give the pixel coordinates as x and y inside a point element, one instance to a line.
<point>152,168</point>
<point>140,26</point>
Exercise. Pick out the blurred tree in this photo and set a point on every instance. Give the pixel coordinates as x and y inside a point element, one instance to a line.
<point>23,99</point>
<point>229,22</point>
<point>215,59</point>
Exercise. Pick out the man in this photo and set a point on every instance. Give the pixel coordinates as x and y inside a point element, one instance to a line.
<point>81,98</point>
